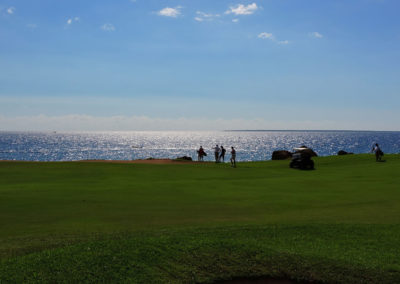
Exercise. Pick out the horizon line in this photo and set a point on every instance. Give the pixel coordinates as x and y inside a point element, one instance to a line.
<point>226,130</point>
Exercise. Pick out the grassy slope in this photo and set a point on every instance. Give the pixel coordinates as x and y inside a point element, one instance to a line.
<point>336,223</point>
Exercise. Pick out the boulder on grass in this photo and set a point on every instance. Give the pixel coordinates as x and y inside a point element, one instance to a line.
<point>305,149</point>
<point>184,158</point>
<point>342,152</point>
<point>281,155</point>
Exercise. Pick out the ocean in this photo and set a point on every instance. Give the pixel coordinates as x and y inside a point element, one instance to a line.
<point>250,145</point>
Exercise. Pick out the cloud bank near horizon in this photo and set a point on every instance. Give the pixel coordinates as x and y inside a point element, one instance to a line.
<point>77,122</point>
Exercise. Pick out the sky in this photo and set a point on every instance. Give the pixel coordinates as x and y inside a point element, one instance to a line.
<point>199,65</point>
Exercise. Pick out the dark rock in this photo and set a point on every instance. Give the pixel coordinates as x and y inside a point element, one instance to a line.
<point>307,150</point>
<point>342,152</point>
<point>281,155</point>
<point>184,158</point>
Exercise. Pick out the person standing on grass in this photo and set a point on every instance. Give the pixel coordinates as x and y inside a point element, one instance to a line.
<point>216,153</point>
<point>222,156</point>
<point>233,157</point>
<point>201,154</point>
<point>378,152</point>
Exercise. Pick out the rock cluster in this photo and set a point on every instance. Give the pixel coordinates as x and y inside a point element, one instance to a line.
<point>184,158</point>
<point>305,149</point>
<point>342,152</point>
<point>285,155</point>
<point>281,155</point>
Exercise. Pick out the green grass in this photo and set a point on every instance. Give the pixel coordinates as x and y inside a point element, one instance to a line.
<point>96,222</point>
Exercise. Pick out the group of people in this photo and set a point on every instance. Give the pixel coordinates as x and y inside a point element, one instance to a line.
<point>219,153</point>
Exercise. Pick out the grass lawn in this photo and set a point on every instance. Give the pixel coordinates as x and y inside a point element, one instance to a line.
<point>137,223</point>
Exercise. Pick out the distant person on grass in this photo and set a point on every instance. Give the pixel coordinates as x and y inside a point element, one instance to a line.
<point>378,152</point>
<point>216,153</point>
<point>233,157</point>
<point>222,156</point>
<point>200,154</point>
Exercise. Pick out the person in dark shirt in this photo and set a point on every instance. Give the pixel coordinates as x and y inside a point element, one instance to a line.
<point>222,156</point>
<point>200,154</point>
<point>233,157</point>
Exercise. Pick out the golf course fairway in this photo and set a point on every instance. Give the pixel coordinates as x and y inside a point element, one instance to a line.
<point>88,222</point>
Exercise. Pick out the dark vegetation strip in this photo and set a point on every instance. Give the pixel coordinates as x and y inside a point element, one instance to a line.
<point>314,253</point>
<point>260,281</point>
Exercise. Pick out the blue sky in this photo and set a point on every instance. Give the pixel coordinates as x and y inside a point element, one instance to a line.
<point>150,65</point>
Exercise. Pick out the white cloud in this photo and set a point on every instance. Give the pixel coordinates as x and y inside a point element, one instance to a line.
<point>316,35</point>
<point>241,9</point>
<point>266,36</point>
<point>170,12</point>
<point>73,19</point>
<point>235,20</point>
<point>108,27</point>
<point>271,37</point>
<point>201,16</point>
<point>204,15</point>
<point>11,10</point>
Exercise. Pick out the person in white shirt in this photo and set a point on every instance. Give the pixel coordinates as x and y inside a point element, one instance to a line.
<point>216,153</point>
<point>378,152</point>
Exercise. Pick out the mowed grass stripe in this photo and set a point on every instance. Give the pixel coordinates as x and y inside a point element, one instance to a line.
<point>322,253</point>
<point>65,197</point>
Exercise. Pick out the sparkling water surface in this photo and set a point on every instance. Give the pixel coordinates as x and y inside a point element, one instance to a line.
<point>250,145</point>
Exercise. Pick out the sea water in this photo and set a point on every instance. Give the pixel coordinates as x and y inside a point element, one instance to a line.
<point>250,145</point>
